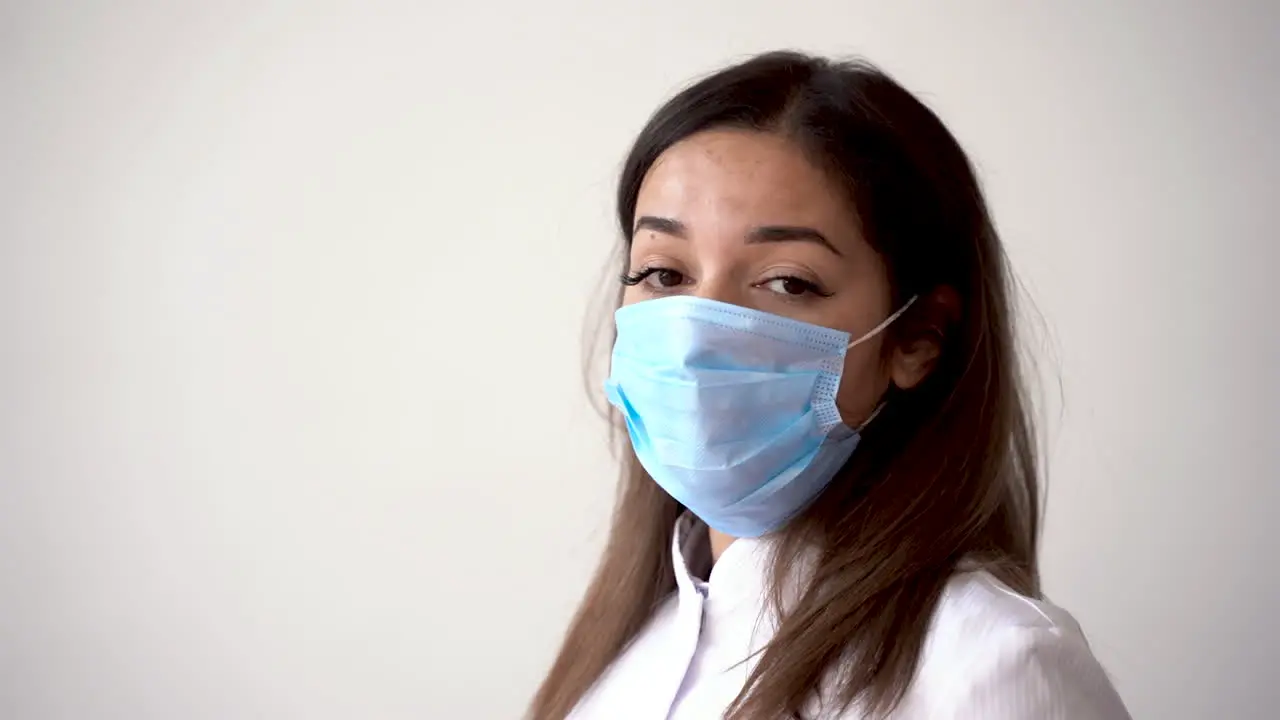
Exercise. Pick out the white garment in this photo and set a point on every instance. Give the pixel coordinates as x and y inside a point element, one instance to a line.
<point>990,654</point>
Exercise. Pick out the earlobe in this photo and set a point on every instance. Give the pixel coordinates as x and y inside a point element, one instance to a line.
<point>912,364</point>
<point>916,357</point>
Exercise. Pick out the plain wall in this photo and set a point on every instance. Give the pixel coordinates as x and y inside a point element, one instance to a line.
<point>292,421</point>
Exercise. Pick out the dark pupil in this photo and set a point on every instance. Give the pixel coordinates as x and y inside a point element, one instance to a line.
<point>668,278</point>
<point>793,286</point>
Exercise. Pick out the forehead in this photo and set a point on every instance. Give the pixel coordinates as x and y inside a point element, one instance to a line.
<point>746,178</point>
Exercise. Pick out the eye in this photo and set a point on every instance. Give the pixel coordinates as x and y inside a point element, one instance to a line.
<point>793,287</point>
<point>657,278</point>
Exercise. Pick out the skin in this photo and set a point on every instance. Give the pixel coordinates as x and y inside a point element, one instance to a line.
<point>744,217</point>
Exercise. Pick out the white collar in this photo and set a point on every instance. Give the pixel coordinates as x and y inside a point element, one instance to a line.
<point>740,575</point>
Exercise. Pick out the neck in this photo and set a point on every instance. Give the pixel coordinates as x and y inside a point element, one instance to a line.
<point>719,541</point>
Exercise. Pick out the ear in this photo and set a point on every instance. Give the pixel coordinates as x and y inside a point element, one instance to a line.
<point>920,338</point>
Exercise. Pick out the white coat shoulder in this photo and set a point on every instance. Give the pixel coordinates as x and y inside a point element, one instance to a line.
<point>996,655</point>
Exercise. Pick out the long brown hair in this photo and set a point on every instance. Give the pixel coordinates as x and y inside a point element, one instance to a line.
<point>946,472</point>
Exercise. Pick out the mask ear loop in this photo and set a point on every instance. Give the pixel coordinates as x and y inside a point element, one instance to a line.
<point>887,322</point>
<point>870,417</point>
<point>876,331</point>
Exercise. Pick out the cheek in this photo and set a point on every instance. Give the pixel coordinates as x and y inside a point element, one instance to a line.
<point>863,383</point>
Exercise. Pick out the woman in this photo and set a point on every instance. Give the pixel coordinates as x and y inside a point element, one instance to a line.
<point>829,506</point>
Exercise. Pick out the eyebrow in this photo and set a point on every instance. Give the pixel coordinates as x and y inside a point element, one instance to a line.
<point>762,234</point>
<point>789,233</point>
<point>666,226</point>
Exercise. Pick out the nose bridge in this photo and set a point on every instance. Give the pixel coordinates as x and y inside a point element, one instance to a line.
<point>720,258</point>
<point>718,288</point>
<point>721,280</point>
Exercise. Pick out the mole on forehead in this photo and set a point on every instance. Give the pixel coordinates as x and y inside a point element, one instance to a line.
<point>739,147</point>
<point>729,157</point>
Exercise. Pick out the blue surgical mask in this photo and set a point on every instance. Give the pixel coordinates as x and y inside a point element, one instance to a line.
<point>732,410</point>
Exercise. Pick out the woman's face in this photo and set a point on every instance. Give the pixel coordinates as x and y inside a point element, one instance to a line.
<point>744,218</point>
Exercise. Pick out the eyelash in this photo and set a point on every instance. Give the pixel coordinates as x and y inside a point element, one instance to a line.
<point>810,288</point>
<point>639,276</point>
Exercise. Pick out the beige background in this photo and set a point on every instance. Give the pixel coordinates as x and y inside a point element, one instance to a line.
<point>291,294</point>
